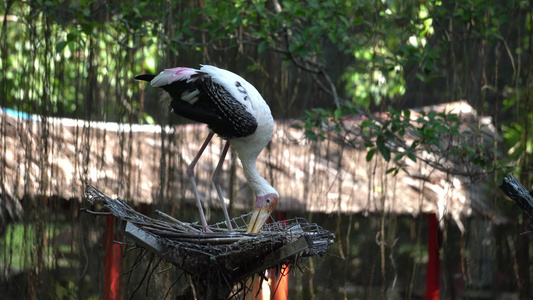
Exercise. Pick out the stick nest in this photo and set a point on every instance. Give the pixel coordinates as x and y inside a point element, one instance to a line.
<point>234,255</point>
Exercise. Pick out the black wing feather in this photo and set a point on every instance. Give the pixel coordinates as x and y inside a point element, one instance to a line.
<point>223,114</point>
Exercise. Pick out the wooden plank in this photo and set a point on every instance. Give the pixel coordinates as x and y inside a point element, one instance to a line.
<point>142,237</point>
<point>284,252</point>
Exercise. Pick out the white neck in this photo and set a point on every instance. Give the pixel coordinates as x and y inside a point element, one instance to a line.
<point>258,184</point>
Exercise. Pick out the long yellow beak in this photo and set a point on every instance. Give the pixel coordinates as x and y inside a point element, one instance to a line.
<point>264,206</point>
<point>258,219</point>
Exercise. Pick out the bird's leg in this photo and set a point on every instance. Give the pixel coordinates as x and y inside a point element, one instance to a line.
<point>216,182</point>
<point>190,173</point>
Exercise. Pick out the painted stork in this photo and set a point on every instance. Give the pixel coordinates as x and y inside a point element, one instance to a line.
<point>234,110</point>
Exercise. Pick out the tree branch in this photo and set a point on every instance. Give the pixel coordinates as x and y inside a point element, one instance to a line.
<point>518,193</point>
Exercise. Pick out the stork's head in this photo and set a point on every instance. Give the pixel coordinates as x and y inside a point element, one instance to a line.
<point>264,206</point>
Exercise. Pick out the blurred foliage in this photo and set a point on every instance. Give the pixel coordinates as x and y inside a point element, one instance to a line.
<point>424,39</point>
<point>77,58</point>
<point>90,51</point>
<point>394,46</point>
<point>397,135</point>
<point>50,77</point>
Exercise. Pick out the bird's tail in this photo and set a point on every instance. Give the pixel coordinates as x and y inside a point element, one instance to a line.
<point>165,99</point>
<point>145,77</point>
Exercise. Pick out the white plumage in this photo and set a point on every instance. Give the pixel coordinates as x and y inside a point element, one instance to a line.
<point>236,111</point>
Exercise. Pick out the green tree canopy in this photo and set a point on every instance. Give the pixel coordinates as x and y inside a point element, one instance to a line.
<point>346,57</point>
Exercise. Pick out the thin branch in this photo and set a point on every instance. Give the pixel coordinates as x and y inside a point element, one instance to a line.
<point>95,213</point>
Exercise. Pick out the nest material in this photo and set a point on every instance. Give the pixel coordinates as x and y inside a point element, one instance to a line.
<point>231,255</point>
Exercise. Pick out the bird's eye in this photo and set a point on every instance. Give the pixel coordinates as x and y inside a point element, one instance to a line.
<point>268,201</point>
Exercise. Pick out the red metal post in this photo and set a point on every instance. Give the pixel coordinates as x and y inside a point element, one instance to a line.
<point>111,262</point>
<point>433,265</point>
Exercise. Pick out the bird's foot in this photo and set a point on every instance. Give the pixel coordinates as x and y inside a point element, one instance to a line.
<point>207,230</point>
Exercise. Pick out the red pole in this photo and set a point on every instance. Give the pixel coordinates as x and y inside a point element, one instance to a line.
<point>280,287</point>
<point>433,265</point>
<point>111,262</point>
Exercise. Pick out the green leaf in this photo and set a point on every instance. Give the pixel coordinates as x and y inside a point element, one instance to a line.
<point>370,154</point>
<point>262,46</point>
<point>401,132</point>
<point>61,45</point>
<point>311,135</point>
<point>344,20</point>
<point>295,126</point>
<point>399,156</point>
<point>338,113</point>
<point>293,47</point>
<point>383,149</point>
<point>374,126</point>
<point>394,171</point>
<point>148,119</point>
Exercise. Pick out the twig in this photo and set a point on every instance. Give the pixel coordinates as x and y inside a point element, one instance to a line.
<point>182,224</point>
<point>96,213</point>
